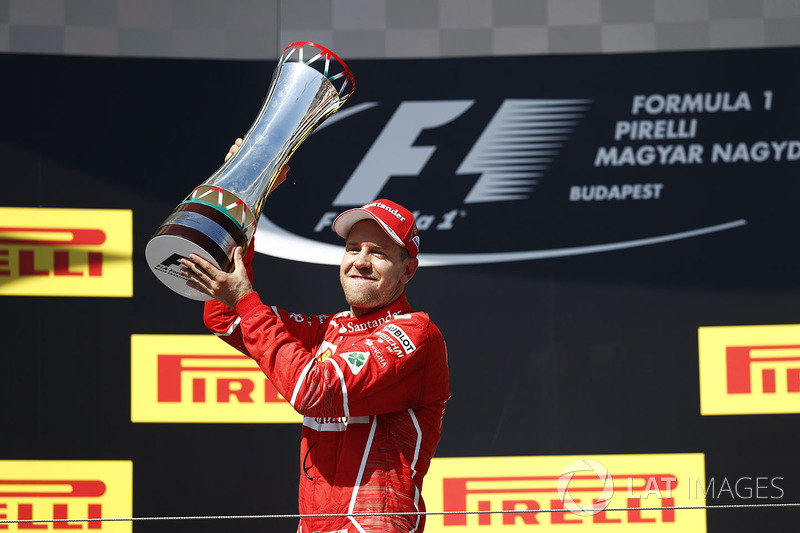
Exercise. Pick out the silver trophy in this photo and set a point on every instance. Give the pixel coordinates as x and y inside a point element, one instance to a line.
<point>309,84</point>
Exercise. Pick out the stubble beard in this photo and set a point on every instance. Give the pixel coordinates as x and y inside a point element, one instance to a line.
<point>359,296</point>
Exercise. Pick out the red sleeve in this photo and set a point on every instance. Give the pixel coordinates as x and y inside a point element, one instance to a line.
<point>401,364</point>
<point>221,319</point>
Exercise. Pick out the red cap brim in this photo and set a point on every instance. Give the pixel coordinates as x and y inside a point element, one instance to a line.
<point>345,222</point>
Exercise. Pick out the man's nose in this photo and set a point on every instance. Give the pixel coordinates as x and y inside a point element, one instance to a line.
<point>362,260</point>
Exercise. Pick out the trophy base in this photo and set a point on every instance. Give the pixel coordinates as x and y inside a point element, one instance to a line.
<point>163,254</point>
<point>193,228</point>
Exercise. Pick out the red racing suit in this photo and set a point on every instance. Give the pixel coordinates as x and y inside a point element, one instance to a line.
<point>372,392</point>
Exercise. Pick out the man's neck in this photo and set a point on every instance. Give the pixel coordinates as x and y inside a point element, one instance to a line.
<point>357,312</point>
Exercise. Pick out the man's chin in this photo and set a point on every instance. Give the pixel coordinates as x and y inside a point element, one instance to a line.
<point>362,299</point>
<point>360,302</point>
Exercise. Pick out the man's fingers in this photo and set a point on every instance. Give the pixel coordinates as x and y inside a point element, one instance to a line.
<point>199,285</point>
<point>234,148</point>
<point>210,280</point>
<point>194,274</point>
<point>206,266</point>
<point>197,279</point>
<point>191,268</point>
<point>201,271</point>
<point>205,273</point>
<point>238,260</point>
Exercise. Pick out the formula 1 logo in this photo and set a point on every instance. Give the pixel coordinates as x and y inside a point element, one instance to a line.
<point>501,168</point>
<point>539,128</point>
<point>749,369</point>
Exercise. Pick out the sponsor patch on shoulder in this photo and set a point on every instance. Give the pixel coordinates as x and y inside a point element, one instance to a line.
<point>402,337</point>
<point>355,360</point>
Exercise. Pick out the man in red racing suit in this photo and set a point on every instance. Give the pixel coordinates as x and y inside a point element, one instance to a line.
<point>371,382</point>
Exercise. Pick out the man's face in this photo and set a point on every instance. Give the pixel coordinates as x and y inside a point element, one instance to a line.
<point>374,268</point>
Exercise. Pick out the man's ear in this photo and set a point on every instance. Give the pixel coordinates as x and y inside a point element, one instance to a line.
<point>409,269</point>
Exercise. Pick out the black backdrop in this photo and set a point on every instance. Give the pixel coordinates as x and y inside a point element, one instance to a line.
<point>579,355</point>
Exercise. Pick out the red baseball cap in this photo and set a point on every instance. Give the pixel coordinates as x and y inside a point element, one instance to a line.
<point>396,221</point>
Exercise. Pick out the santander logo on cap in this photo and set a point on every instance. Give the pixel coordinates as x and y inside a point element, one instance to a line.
<point>395,212</point>
<point>396,221</point>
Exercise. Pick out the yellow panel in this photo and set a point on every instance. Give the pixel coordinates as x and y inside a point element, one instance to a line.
<point>749,369</point>
<point>58,490</point>
<point>66,252</point>
<point>650,482</point>
<point>200,378</point>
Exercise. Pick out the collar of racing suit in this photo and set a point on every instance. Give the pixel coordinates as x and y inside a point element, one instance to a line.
<point>350,325</point>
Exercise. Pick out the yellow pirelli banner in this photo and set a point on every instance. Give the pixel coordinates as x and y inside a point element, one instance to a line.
<point>66,491</point>
<point>66,252</point>
<point>200,378</point>
<point>571,492</point>
<point>749,369</point>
